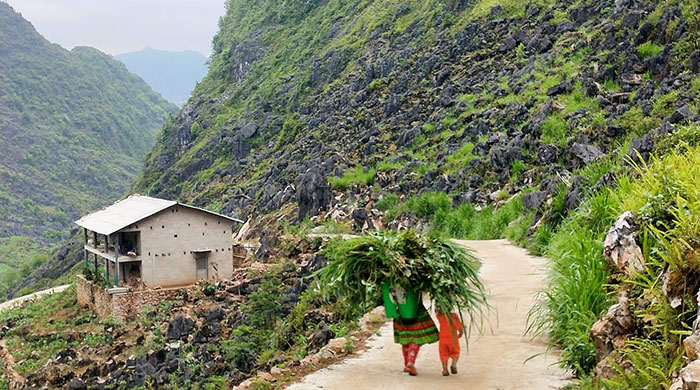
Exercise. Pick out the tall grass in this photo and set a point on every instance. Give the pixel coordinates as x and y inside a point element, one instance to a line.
<point>575,293</point>
<point>464,222</point>
<point>664,198</point>
<point>429,203</point>
<point>356,175</point>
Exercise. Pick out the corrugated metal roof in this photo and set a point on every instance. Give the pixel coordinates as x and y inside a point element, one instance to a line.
<point>129,211</point>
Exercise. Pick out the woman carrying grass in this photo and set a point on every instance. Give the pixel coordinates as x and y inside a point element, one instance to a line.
<point>411,333</point>
<point>360,268</point>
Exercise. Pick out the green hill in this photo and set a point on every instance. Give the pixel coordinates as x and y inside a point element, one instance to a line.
<point>74,127</point>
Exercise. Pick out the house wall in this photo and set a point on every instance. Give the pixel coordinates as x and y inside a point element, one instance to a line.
<point>167,239</point>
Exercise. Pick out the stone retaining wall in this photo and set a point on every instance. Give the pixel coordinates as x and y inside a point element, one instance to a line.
<point>122,305</point>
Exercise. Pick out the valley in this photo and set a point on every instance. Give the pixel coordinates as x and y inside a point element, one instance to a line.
<point>74,128</point>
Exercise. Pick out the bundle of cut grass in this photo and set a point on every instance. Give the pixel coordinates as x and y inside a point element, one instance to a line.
<point>447,272</point>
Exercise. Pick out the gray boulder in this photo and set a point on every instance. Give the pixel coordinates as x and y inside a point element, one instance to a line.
<point>180,328</point>
<point>313,193</point>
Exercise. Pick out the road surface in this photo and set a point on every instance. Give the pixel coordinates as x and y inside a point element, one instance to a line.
<point>18,301</point>
<point>496,359</point>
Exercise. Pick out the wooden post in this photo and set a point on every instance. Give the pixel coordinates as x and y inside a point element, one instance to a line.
<point>116,259</point>
<point>106,258</point>
<point>94,245</point>
<point>87,260</point>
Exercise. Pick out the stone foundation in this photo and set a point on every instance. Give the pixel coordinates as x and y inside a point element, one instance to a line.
<point>122,305</point>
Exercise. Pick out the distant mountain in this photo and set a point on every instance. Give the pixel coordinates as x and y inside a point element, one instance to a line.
<point>74,128</point>
<point>172,74</point>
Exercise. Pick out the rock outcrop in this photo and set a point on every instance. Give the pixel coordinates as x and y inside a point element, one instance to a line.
<point>620,246</point>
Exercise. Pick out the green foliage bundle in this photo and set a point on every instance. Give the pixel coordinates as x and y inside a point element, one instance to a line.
<point>447,272</point>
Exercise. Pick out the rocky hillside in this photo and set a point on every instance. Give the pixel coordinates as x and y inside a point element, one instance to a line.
<point>74,127</point>
<point>422,113</point>
<point>451,96</point>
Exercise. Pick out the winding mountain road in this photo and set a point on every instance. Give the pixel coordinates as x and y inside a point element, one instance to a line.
<point>502,358</point>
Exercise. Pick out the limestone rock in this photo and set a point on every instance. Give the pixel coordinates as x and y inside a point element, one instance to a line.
<point>691,344</point>
<point>377,315</point>
<point>677,385</point>
<point>180,327</point>
<point>313,193</point>
<point>321,337</point>
<point>690,375</point>
<point>337,346</point>
<point>611,331</point>
<point>620,246</point>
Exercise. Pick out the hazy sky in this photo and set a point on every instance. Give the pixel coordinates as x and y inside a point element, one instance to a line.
<point>119,26</point>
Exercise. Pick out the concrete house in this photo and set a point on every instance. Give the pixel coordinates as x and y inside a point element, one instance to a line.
<point>150,242</point>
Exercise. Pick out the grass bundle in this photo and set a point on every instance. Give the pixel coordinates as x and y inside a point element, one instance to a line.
<point>447,272</point>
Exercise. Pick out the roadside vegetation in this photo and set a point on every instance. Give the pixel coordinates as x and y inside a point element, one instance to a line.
<point>664,199</point>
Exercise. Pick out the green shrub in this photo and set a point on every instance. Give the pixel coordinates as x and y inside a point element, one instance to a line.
<point>387,202</point>
<point>460,158</point>
<point>554,130</point>
<point>240,350</point>
<point>264,305</point>
<point>427,204</point>
<point>649,49</point>
<point>356,175</point>
<point>636,123</point>
<point>389,166</point>
<point>517,167</point>
<point>665,104</point>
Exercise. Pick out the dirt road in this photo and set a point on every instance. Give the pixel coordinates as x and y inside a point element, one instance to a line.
<point>496,360</point>
<point>18,301</point>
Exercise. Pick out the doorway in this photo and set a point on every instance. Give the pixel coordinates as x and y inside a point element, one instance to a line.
<point>202,268</point>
